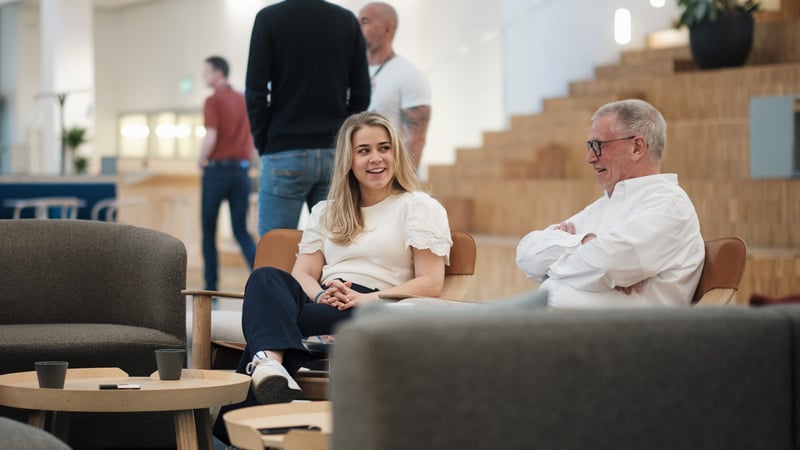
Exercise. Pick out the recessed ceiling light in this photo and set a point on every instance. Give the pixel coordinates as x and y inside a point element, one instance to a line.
<point>622,26</point>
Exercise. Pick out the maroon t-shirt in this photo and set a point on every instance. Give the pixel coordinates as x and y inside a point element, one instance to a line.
<point>226,112</point>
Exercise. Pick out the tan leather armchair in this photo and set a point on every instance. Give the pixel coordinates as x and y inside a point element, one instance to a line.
<point>722,272</point>
<point>278,248</point>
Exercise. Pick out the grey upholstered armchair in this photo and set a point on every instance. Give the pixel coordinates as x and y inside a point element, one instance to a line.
<point>95,294</point>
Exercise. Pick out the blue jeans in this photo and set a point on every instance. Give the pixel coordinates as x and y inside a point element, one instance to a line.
<point>231,184</point>
<point>289,179</point>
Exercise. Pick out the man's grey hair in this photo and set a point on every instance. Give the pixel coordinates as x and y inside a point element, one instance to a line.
<point>639,117</point>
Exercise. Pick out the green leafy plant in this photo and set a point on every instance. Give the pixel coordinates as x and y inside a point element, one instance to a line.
<point>74,137</point>
<point>80,164</point>
<point>699,11</point>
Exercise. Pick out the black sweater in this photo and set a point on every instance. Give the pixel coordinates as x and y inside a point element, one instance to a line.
<point>312,55</point>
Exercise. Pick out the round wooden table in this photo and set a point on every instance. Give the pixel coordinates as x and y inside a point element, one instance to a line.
<point>190,397</point>
<point>243,426</point>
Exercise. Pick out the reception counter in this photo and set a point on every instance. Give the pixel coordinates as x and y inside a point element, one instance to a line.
<point>87,189</point>
<point>164,201</point>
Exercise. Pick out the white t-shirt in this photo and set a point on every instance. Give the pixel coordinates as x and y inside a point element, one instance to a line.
<point>399,85</point>
<point>381,256</point>
<point>647,230</point>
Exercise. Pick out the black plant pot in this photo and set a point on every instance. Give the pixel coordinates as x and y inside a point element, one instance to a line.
<point>724,43</point>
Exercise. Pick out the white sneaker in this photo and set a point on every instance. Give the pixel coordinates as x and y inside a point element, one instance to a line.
<point>271,382</point>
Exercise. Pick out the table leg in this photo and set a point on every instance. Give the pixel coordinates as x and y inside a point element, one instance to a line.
<point>202,420</point>
<point>60,425</point>
<point>59,422</point>
<point>37,419</point>
<point>185,430</point>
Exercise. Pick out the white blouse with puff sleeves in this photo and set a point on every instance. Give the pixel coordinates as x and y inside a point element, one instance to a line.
<point>381,257</point>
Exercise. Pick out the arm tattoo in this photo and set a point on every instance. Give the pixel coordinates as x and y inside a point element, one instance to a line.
<point>414,128</point>
<point>416,118</point>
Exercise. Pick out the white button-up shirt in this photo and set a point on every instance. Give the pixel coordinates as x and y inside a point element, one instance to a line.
<point>647,231</point>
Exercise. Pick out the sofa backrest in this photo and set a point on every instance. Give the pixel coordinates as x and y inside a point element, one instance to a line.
<point>75,271</point>
<point>683,378</point>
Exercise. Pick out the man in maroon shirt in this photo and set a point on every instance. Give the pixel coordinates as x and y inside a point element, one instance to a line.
<point>225,157</point>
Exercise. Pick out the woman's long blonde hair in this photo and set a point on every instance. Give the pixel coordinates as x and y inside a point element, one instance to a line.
<point>343,215</point>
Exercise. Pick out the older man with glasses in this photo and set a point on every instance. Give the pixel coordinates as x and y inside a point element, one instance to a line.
<point>637,245</point>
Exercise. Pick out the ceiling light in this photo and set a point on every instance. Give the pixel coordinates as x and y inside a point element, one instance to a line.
<point>622,26</point>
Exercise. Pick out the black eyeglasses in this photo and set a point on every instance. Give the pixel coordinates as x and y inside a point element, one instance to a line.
<point>596,145</point>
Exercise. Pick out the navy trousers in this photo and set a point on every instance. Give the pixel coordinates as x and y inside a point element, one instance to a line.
<point>277,315</point>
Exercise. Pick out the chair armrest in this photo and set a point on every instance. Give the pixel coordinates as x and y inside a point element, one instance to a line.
<point>203,292</point>
<point>201,324</point>
<point>718,297</point>
<point>395,297</point>
<point>428,300</point>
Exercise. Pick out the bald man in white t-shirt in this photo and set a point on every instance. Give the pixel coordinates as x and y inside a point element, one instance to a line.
<point>400,91</point>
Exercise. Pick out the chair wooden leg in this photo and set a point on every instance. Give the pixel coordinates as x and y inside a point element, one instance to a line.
<point>201,332</point>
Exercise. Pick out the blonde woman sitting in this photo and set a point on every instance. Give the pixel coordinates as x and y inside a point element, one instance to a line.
<point>375,234</point>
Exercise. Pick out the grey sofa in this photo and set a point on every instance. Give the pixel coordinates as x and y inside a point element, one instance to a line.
<point>95,294</point>
<point>686,378</point>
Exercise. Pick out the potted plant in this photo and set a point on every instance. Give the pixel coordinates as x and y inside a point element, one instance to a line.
<point>74,138</point>
<point>720,31</point>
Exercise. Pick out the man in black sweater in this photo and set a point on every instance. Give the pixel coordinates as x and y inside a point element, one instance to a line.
<point>307,72</point>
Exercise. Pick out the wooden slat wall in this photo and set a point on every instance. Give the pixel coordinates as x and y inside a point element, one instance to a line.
<point>708,149</point>
<point>765,213</point>
<point>775,43</point>
<point>496,273</point>
<point>723,93</point>
<point>791,8</point>
<point>723,154</point>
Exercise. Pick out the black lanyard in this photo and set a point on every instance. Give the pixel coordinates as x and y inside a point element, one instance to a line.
<point>372,78</point>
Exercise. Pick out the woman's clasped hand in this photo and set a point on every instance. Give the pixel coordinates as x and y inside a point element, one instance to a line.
<point>339,295</point>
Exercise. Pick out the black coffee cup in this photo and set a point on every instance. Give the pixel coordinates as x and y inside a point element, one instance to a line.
<point>51,374</point>
<point>170,363</point>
